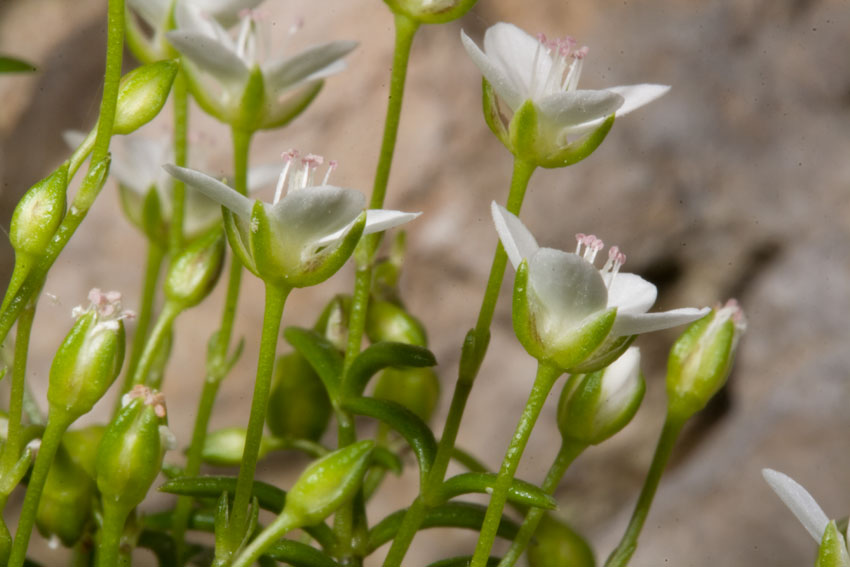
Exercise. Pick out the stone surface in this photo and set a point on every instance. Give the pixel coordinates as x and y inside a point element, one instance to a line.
<point>734,184</point>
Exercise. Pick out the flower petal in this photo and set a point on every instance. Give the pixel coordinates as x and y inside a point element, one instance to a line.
<point>153,12</point>
<point>376,221</point>
<point>225,11</point>
<point>210,55</point>
<point>311,64</point>
<point>635,324</point>
<point>306,216</point>
<point>566,109</point>
<point>504,85</point>
<point>634,97</point>
<point>214,189</point>
<point>568,287</point>
<point>631,294</point>
<point>520,56</point>
<point>799,501</point>
<point>262,176</point>
<point>517,240</point>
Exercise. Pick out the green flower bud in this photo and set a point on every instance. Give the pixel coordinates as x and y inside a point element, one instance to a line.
<point>833,549</point>
<point>431,11</point>
<point>39,213</point>
<point>701,359</point>
<point>195,271</point>
<point>90,357</point>
<point>555,544</point>
<point>327,484</point>
<point>226,446</point>
<point>129,457</point>
<point>66,502</point>
<point>595,406</point>
<point>387,321</point>
<point>142,94</point>
<point>299,406</point>
<point>417,389</point>
<point>81,446</point>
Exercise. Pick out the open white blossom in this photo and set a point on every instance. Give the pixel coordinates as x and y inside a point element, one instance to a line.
<point>546,72</point>
<point>565,290</point>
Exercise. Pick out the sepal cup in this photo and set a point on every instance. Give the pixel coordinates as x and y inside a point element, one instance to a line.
<point>431,11</point>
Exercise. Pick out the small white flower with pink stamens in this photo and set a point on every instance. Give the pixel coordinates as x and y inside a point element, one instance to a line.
<point>305,234</point>
<point>572,313</point>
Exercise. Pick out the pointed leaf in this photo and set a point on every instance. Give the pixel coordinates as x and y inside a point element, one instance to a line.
<point>379,356</point>
<point>321,354</point>
<point>520,492</point>
<point>299,554</point>
<point>13,65</point>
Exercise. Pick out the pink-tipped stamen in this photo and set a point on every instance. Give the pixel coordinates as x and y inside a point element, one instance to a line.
<point>287,156</point>
<point>616,259</point>
<point>332,165</point>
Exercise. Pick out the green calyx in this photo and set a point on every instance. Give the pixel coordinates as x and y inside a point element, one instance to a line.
<point>142,94</point>
<point>38,214</point>
<point>833,549</point>
<point>387,321</point>
<point>555,544</point>
<point>65,506</point>
<point>431,12</point>
<point>195,271</point>
<point>417,389</point>
<point>299,406</point>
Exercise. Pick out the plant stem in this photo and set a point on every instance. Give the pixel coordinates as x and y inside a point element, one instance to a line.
<point>522,172</point>
<point>546,377</point>
<point>49,444</point>
<point>88,191</point>
<point>566,455</point>
<point>109,549</point>
<point>178,188</point>
<point>277,529</point>
<point>14,433</point>
<point>275,300</point>
<point>151,276</point>
<point>159,334</point>
<point>624,551</point>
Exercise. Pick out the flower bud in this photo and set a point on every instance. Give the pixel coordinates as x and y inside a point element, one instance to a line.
<point>195,271</point>
<point>39,213</point>
<point>555,544</point>
<point>327,484</point>
<point>833,549</point>
<point>66,501</point>
<point>701,359</point>
<point>595,406</point>
<point>299,406</point>
<point>431,11</point>
<point>81,446</point>
<point>386,321</point>
<point>417,389</point>
<point>90,357</point>
<point>129,457</point>
<point>226,446</point>
<point>142,94</point>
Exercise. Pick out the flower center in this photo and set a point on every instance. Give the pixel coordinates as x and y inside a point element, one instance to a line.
<point>588,246</point>
<point>302,175</point>
<point>731,310</point>
<point>566,63</point>
<point>107,305</point>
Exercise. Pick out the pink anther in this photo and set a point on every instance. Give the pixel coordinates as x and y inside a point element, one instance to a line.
<point>289,155</point>
<point>581,53</point>
<point>312,161</point>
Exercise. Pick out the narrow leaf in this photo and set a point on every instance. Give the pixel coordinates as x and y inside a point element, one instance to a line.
<point>379,356</point>
<point>520,492</point>
<point>13,65</point>
<point>321,354</point>
<point>299,554</point>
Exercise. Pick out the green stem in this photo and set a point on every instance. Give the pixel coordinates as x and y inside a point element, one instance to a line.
<point>109,549</point>
<point>275,300</point>
<point>88,191</point>
<point>268,537</point>
<point>151,276</point>
<point>159,334</point>
<point>624,551</point>
<point>49,444</point>
<point>81,153</point>
<point>522,172</point>
<point>546,377</point>
<point>566,455</point>
<point>178,188</point>
<point>14,433</point>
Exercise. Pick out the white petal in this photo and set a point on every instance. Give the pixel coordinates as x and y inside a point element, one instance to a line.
<point>638,95</point>
<point>137,162</point>
<point>568,288</point>
<point>225,11</point>
<point>153,12</point>
<point>631,294</point>
<point>376,221</point>
<point>520,56</point>
<point>517,240</point>
<point>504,86</point>
<point>799,501</point>
<point>635,324</point>
<point>313,63</point>
<point>620,382</point>
<point>307,216</point>
<point>210,55</point>
<point>262,176</point>
<point>213,188</point>
<point>566,109</point>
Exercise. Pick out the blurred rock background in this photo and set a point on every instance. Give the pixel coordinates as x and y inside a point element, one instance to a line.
<point>734,184</point>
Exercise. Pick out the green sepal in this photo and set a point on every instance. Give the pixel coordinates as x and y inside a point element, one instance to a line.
<point>330,263</point>
<point>493,114</point>
<point>297,103</point>
<point>195,270</point>
<point>576,151</point>
<point>520,492</point>
<point>152,218</point>
<point>251,104</point>
<point>66,500</point>
<point>14,65</point>
<point>379,356</point>
<point>556,544</point>
<point>39,213</point>
<point>81,445</point>
<point>236,238</point>
<point>93,182</point>
<point>523,320</point>
<point>388,321</point>
<point>422,12</point>
<point>833,549</point>
<point>449,515</point>
<point>299,554</point>
<point>464,561</point>
<point>472,354</point>
<point>322,356</point>
<point>524,134</point>
<point>142,94</point>
<point>584,340</point>
<point>415,431</point>
<point>608,352</point>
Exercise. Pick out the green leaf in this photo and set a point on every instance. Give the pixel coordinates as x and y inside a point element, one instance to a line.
<point>299,554</point>
<point>379,356</point>
<point>408,424</point>
<point>450,515</point>
<point>321,354</point>
<point>520,492</point>
<point>13,65</point>
<point>463,561</point>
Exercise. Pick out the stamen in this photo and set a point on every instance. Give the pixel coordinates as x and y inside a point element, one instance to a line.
<point>615,261</point>
<point>579,241</point>
<point>244,32</point>
<point>331,167</point>
<point>311,163</point>
<point>287,157</point>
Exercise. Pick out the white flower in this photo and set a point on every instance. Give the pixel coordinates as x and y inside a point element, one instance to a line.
<point>566,292</point>
<point>521,68</point>
<point>303,237</point>
<point>245,92</point>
